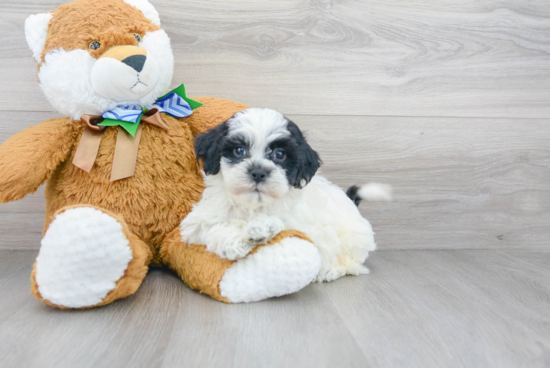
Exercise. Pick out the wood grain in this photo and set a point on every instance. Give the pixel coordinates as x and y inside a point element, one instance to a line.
<point>409,58</point>
<point>450,309</point>
<point>453,308</point>
<point>458,182</point>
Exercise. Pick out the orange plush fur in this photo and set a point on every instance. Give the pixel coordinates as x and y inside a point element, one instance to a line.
<point>166,183</point>
<point>202,270</point>
<point>74,26</point>
<point>167,179</point>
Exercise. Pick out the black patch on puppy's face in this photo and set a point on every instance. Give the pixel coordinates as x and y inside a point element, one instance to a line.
<point>235,149</point>
<point>208,148</point>
<point>212,145</point>
<point>301,161</point>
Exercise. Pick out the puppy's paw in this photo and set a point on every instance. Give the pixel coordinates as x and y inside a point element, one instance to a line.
<point>262,229</point>
<point>234,248</point>
<point>336,272</point>
<point>331,274</point>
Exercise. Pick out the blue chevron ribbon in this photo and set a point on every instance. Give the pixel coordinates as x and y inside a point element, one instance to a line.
<point>130,114</point>
<point>174,103</point>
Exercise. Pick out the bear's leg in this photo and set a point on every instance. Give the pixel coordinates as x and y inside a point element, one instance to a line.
<point>285,265</point>
<point>88,257</point>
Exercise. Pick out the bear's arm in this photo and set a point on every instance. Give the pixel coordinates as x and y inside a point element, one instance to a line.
<point>214,112</point>
<point>29,157</point>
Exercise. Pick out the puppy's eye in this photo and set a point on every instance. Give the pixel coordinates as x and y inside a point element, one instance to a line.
<point>240,151</point>
<point>279,154</point>
<point>94,45</point>
<point>137,37</point>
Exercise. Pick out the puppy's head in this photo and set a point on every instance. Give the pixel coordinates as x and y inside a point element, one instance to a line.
<point>259,155</point>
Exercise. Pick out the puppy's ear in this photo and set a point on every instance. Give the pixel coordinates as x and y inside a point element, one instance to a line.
<point>208,148</point>
<point>308,161</point>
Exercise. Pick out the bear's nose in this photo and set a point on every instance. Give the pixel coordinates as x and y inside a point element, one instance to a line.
<point>135,61</point>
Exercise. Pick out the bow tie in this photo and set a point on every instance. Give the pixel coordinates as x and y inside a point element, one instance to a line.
<point>128,119</point>
<point>174,103</point>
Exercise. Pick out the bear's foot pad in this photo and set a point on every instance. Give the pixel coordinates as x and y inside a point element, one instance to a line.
<point>83,254</point>
<point>275,270</point>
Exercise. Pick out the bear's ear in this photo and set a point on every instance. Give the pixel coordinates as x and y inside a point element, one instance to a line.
<point>147,9</point>
<point>36,32</point>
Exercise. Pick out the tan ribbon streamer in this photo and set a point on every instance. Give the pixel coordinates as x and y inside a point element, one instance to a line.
<point>126,148</point>
<point>154,117</point>
<point>88,147</point>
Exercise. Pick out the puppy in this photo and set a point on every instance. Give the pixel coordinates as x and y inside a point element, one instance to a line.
<point>260,177</point>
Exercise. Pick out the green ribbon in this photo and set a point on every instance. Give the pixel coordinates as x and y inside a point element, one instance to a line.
<point>180,91</point>
<point>132,128</point>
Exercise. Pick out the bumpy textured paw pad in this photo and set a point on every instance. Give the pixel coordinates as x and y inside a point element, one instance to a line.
<point>274,270</point>
<point>83,254</point>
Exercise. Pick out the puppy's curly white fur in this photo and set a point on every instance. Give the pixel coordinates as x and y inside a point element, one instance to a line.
<point>260,176</point>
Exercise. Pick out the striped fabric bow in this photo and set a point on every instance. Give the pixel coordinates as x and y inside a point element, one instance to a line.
<point>128,119</point>
<point>174,103</point>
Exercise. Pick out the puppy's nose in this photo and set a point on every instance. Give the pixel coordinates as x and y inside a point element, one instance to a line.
<point>258,174</point>
<point>135,61</point>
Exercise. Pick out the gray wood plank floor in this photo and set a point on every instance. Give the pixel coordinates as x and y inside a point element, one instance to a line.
<point>431,308</point>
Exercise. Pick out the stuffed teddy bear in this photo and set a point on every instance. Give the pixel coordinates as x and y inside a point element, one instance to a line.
<point>120,166</point>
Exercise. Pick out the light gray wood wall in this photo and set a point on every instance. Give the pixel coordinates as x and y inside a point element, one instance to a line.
<point>447,101</point>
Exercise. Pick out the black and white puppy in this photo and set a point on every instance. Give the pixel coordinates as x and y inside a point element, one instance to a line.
<point>260,177</point>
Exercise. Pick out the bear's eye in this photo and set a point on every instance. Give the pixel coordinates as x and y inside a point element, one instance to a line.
<point>95,45</point>
<point>137,37</point>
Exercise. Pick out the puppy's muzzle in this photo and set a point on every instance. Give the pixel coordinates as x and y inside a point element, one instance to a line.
<point>259,174</point>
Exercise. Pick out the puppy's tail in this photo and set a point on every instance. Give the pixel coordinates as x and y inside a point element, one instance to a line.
<point>370,192</point>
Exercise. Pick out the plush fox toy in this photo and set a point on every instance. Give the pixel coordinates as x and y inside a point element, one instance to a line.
<point>120,166</point>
